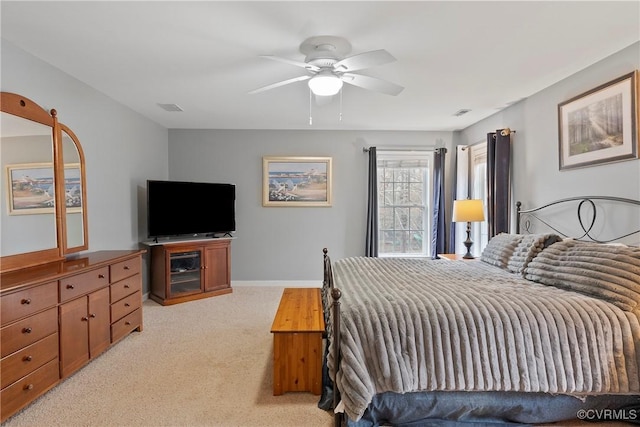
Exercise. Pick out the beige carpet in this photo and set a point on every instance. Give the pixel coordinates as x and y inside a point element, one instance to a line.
<point>201,363</point>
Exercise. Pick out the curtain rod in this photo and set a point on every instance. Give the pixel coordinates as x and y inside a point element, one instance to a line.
<point>405,148</point>
<point>504,132</point>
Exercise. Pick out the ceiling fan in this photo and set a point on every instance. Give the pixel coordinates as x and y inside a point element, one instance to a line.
<point>328,67</point>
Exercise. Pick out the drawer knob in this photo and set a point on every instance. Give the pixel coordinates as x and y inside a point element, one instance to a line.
<point>27,330</point>
<point>27,358</point>
<point>126,267</point>
<point>92,315</point>
<point>26,301</point>
<point>100,276</point>
<point>85,319</point>
<point>127,286</point>
<point>28,386</point>
<point>127,323</point>
<point>126,304</point>
<point>70,287</point>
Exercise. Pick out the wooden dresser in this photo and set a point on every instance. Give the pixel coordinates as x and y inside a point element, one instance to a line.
<point>56,317</point>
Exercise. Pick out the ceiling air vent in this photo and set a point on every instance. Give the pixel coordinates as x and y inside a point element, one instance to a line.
<point>461,112</point>
<point>170,107</point>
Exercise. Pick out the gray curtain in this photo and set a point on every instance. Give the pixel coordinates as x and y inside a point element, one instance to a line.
<point>439,233</point>
<point>451,247</point>
<point>371,244</point>
<point>498,182</point>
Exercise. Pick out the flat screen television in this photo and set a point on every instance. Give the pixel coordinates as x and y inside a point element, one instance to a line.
<point>178,208</point>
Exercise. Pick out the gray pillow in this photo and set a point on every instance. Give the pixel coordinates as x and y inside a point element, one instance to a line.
<point>529,246</point>
<point>606,272</point>
<point>500,248</point>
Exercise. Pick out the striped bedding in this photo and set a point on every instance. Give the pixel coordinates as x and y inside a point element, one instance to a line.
<point>435,325</point>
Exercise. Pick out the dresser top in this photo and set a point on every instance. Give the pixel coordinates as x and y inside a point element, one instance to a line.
<point>55,270</point>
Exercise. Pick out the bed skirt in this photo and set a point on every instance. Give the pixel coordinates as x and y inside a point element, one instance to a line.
<point>451,409</point>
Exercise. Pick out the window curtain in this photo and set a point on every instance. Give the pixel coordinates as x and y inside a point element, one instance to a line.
<point>438,235</point>
<point>371,244</point>
<point>498,181</point>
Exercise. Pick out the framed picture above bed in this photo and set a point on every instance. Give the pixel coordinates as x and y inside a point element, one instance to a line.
<point>296,181</point>
<point>600,125</point>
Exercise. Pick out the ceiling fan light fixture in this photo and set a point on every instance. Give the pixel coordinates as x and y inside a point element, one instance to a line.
<point>325,84</point>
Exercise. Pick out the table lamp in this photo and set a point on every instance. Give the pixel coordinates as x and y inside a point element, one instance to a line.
<point>468,210</point>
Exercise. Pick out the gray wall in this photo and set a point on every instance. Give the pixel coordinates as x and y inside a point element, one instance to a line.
<point>122,148</point>
<point>536,175</point>
<point>285,243</point>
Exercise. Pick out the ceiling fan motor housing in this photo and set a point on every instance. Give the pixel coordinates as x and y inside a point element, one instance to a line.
<point>324,51</point>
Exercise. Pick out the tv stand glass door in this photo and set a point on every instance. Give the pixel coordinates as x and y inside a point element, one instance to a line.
<point>186,272</point>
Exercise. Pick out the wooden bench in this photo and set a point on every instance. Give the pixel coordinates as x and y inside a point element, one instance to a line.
<point>297,341</point>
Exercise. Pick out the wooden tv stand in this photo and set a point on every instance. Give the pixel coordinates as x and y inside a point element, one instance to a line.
<point>190,269</point>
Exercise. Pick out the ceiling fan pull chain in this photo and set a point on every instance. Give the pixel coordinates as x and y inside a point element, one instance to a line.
<point>310,118</point>
<point>340,118</point>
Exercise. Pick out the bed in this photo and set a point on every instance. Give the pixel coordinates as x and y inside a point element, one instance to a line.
<point>541,328</point>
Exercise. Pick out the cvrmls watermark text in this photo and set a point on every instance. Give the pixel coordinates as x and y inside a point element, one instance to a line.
<point>624,414</point>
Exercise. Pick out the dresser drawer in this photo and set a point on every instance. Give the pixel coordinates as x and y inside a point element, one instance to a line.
<point>125,325</point>
<point>23,391</point>
<point>27,360</point>
<point>122,269</point>
<point>24,303</point>
<point>125,306</point>
<point>27,331</point>
<point>125,287</point>
<point>80,284</point>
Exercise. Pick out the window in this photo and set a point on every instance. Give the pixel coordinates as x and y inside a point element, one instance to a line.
<point>471,178</point>
<point>472,183</point>
<point>478,190</point>
<point>404,203</point>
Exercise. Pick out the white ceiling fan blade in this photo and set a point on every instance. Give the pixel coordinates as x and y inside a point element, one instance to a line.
<point>309,67</point>
<point>282,83</point>
<point>364,60</point>
<point>372,83</point>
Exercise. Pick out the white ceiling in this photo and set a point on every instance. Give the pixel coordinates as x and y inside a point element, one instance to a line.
<point>204,56</point>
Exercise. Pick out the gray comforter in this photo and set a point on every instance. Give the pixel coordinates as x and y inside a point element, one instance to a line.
<point>425,325</point>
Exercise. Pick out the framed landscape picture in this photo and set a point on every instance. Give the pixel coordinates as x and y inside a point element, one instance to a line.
<point>31,188</point>
<point>601,125</point>
<point>296,181</point>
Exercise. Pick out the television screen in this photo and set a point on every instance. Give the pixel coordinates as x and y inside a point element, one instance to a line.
<point>177,208</point>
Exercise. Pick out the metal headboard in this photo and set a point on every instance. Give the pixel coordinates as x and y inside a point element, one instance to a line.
<point>588,208</point>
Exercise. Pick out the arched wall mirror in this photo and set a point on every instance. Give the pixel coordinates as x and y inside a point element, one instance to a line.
<point>43,184</point>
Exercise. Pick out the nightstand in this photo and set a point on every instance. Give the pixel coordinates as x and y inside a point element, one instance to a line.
<point>455,257</point>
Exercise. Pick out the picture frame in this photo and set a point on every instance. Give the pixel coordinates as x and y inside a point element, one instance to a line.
<point>601,125</point>
<point>296,181</point>
<point>31,188</point>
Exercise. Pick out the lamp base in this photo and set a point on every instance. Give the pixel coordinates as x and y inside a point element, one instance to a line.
<point>467,243</point>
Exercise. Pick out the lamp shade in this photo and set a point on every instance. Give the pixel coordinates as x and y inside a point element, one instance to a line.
<point>468,210</point>
<point>325,84</point>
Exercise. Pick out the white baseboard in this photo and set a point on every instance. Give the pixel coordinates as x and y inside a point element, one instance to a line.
<point>277,283</point>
